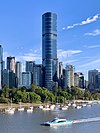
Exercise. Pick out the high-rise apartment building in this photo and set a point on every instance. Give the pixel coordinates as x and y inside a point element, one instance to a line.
<point>49,48</point>
<point>69,75</point>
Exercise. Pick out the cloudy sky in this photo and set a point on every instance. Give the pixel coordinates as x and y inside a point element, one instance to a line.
<point>78,27</point>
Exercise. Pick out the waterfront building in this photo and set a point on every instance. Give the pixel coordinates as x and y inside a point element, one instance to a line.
<point>26,79</point>
<point>11,64</point>
<point>92,79</point>
<point>69,75</point>
<point>18,72</point>
<point>49,48</point>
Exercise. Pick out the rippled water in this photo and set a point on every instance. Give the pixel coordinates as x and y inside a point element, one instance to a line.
<point>23,122</point>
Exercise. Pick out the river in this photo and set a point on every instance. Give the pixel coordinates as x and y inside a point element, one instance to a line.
<point>23,122</point>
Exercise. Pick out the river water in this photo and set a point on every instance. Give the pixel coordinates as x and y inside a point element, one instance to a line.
<point>23,122</point>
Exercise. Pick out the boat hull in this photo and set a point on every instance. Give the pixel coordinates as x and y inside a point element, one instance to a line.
<point>58,124</point>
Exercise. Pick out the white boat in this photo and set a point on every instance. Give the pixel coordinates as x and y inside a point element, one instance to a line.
<point>31,107</point>
<point>52,107</point>
<point>40,107</point>
<point>46,109</point>
<point>84,105</point>
<point>58,122</point>
<point>74,105</point>
<point>89,105</point>
<point>78,107</point>
<point>10,109</point>
<point>69,104</point>
<point>29,110</point>
<point>20,107</point>
<point>64,108</point>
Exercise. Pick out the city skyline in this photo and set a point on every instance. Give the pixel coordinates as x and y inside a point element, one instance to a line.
<point>78,31</point>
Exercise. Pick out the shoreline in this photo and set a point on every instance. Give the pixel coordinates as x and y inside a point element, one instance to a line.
<point>35,105</point>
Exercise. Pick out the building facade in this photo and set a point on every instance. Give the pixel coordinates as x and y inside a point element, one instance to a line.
<point>49,48</point>
<point>92,79</point>
<point>11,64</point>
<point>69,76</point>
<point>1,66</point>
<point>18,72</point>
<point>26,79</point>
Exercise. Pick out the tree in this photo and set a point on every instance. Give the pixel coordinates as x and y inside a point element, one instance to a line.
<point>5,92</point>
<point>34,97</point>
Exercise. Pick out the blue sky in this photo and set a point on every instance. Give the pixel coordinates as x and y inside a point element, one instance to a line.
<point>78,27</point>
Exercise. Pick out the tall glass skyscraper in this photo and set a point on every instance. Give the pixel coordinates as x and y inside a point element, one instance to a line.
<point>1,65</point>
<point>49,48</point>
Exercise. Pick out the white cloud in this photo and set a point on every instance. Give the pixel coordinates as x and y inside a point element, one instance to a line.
<point>93,46</point>
<point>63,55</point>
<point>67,53</point>
<point>94,33</point>
<point>91,65</point>
<point>84,22</point>
<point>29,57</point>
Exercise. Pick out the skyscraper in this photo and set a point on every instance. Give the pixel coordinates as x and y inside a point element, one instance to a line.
<point>49,48</point>
<point>18,72</point>
<point>1,65</point>
<point>26,79</point>
<point>92,79</point>
<point>69,75</point>
<point>11,64</point>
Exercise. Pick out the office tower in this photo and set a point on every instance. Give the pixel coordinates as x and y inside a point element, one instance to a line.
<point>69,75</point>
<point>12,80</point>
<point>97,82</point>
<point>37,75</point>
<point>49,48</point>
<point>1,65</point>
<point>26,79</point>
<point>76,79</point>
<point>6,77</point>
<point>11,64</point>
<point>60,74</point>
<point>79,80</point>
<point>30,66</point>
<point>18,72</point>
<point>60,69</point>
<point>92,79</point>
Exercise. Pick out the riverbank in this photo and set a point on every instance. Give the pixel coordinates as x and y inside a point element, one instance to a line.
<point>36,105</point>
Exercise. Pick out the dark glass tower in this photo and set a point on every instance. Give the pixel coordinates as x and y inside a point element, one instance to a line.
<point>1,66</point>
<point>49,48</point>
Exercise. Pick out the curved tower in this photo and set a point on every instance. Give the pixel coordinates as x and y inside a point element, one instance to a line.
<point>49,48</point>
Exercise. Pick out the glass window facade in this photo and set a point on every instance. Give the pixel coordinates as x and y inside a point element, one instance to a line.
<point>49,48</point>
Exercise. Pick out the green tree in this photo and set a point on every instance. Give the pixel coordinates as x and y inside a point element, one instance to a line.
<point>5,92</point>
